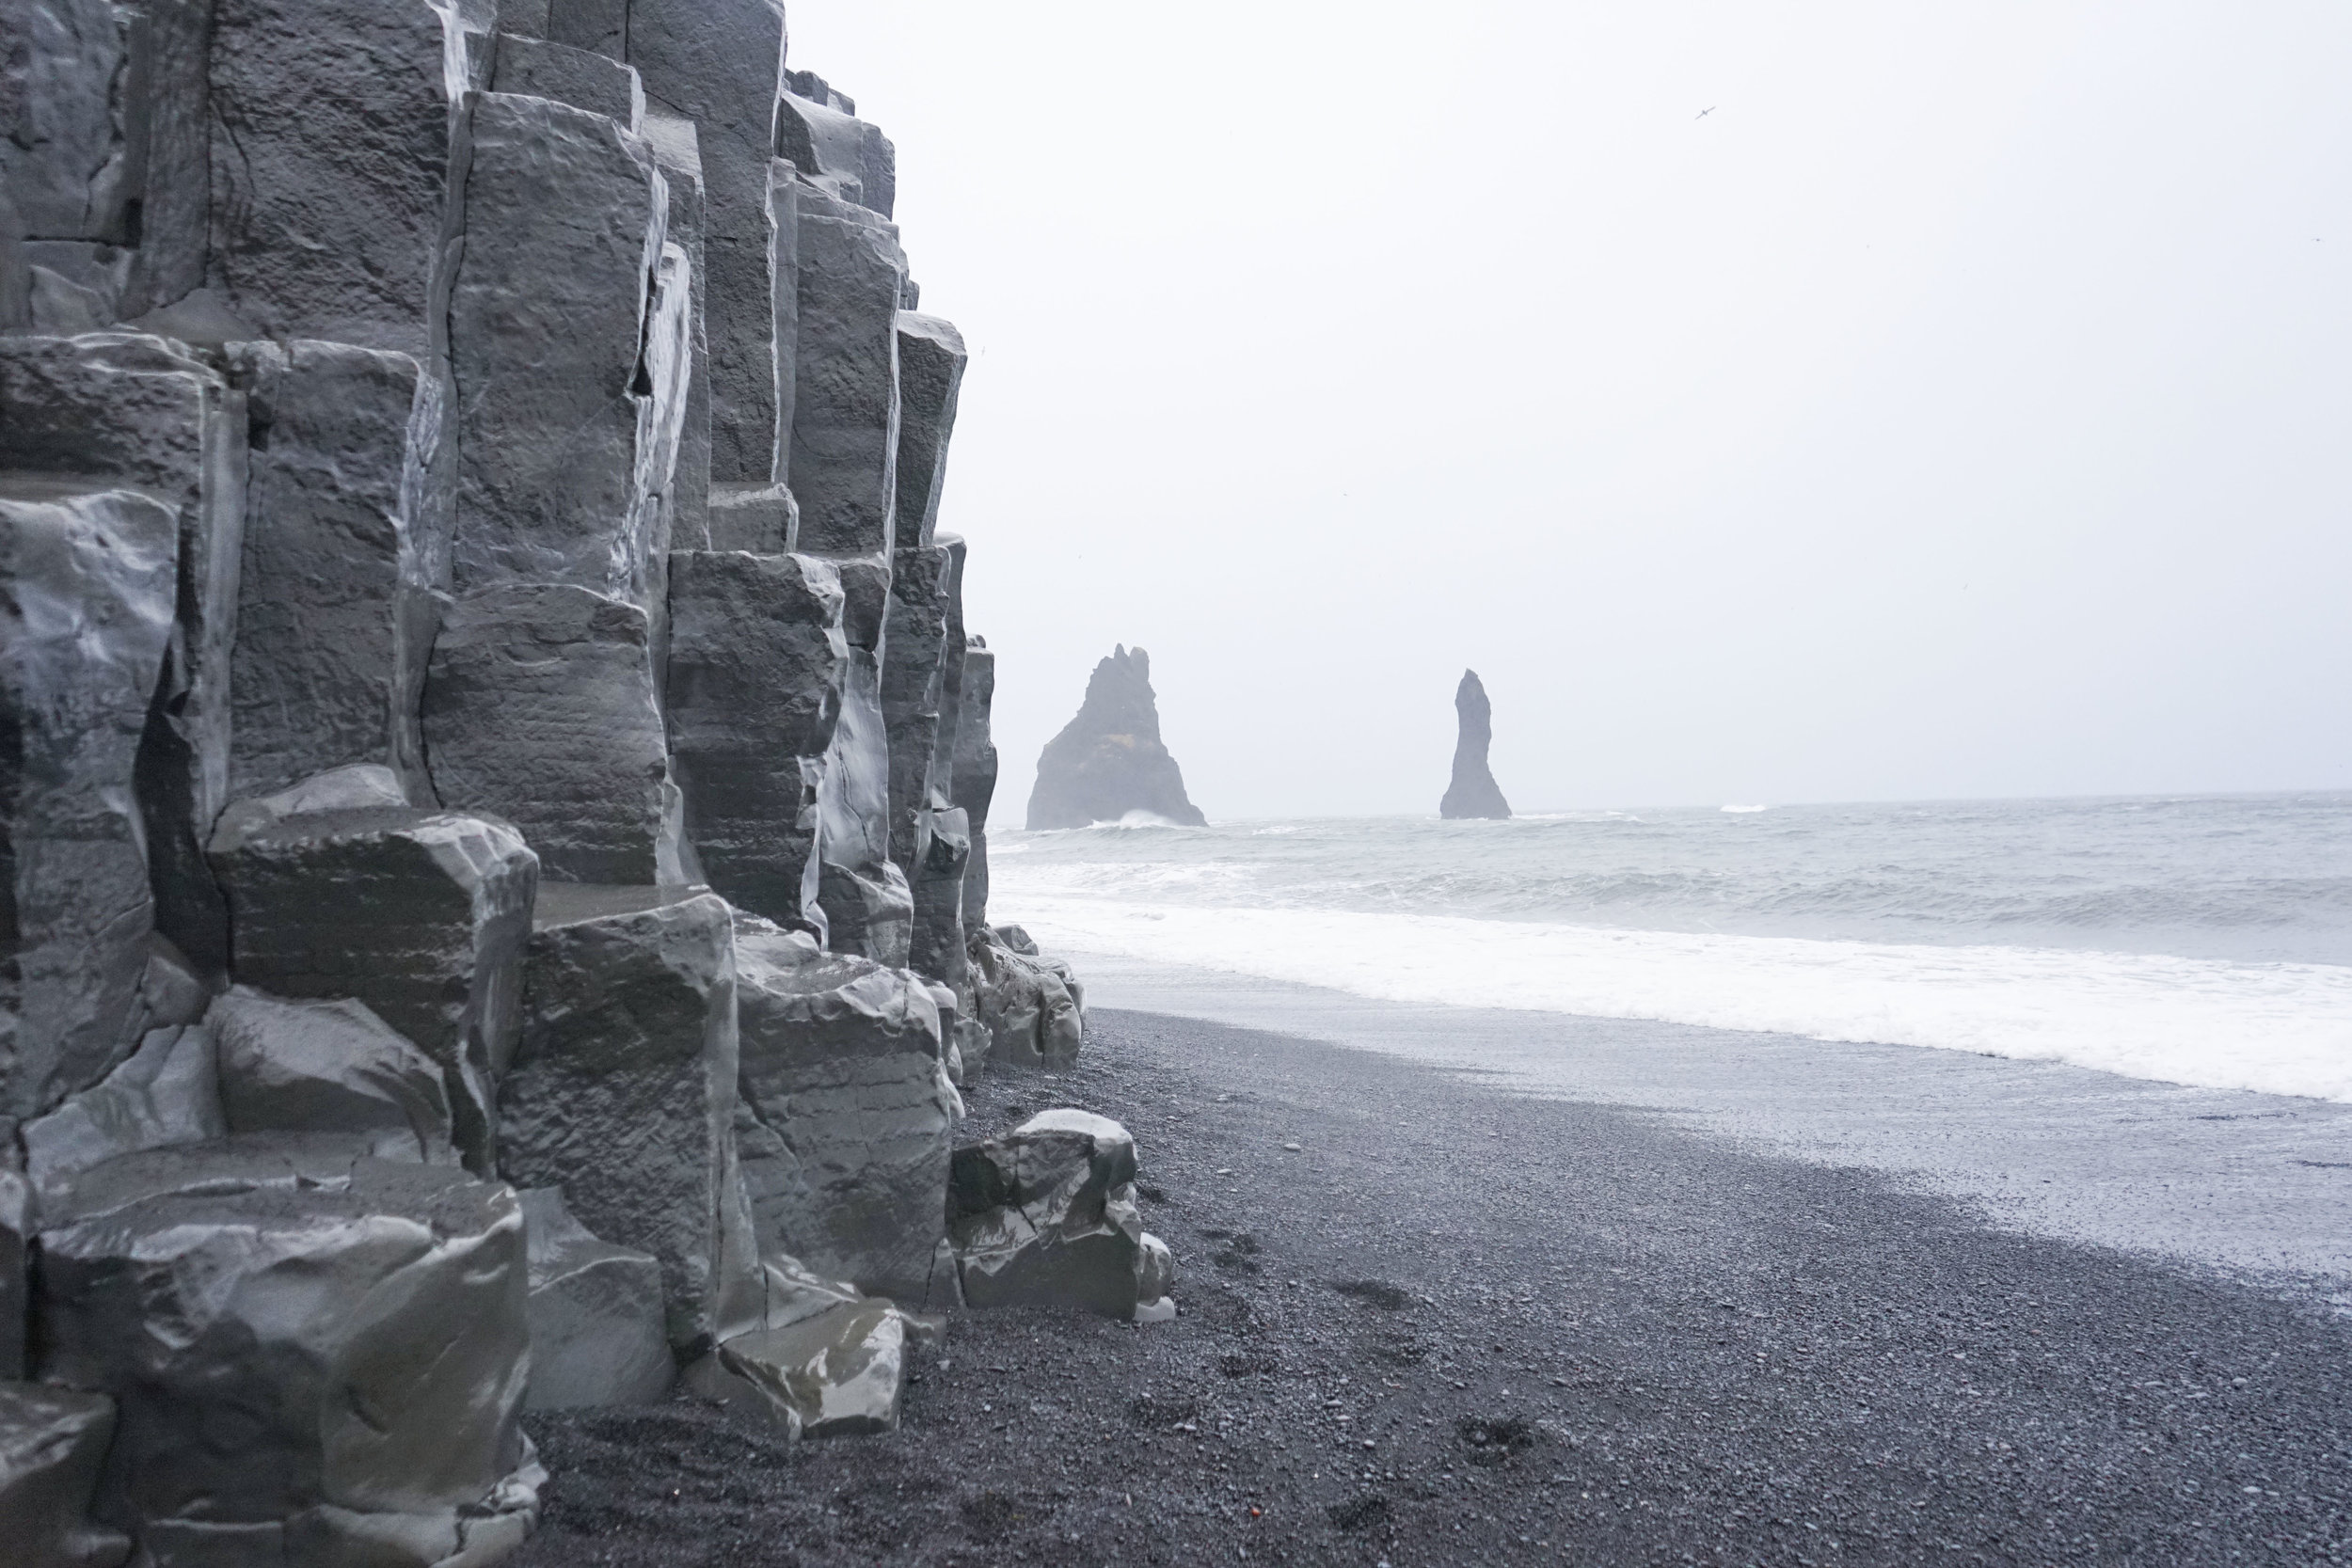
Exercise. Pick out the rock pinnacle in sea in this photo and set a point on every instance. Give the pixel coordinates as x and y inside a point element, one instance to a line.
<point>1109,761</point>
<point>1474,792</point>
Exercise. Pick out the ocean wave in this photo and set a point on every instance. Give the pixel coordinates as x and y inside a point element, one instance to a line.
<point>2280,1028</point>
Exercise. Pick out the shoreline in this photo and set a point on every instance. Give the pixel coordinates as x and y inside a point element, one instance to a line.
<point>1568,1330</point>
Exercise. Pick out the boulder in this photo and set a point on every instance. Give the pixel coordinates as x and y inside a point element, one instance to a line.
<point>719,63</point>
<point>539,706</point>
<point>1109,760</point>
<point>973,780</point>
<point>16,1233</point>
<point>327,1066</point>
<point>534,68</point>
<point>346,1365</point>
<point>676,151</point>
<point>756,658</point>
<point>1472,792</point>
<point>419,914</point>
<point>566,216</point>
<point>1032,1006</point>
<point>331,151</point>
<point>53,1445</point>
<point>86,613</point>
<point>837,1373</point>
<point>623,1092</point>
<point>596,1326</point>
<point>844,413</point>
<point>846,1117</point>
<point>136,411</point>
<point>1045,1216</point>
<point>329,646</point>
<point>166,1094</point>
<point>931,357</point>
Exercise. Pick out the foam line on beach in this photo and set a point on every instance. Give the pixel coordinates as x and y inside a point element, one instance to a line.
<point>2276,1028</point>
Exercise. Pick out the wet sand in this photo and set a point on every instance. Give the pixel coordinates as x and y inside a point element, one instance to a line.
<point>1464,1323</point>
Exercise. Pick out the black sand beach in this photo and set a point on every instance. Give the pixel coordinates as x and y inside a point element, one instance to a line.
<point>1458,1325</point>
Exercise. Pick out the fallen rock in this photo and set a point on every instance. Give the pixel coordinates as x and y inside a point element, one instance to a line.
<point>329,643</point>
<point>539,706</point>
<point>328,1066</point>
<point>1109,760</point>
<point>845,1116</point>
<point>167,1093</point>
<point>622,1091</point>
<point>838,1373</point>
<point>597,1328</point>
<point>345,1367</point>
<point>754,691</point>
<point>1474,792</point>
<point>1032,1006</point>
<point>1047,1216</point>
<point>421,916</point>
<point>85,611</point>
<point>53,1444</point>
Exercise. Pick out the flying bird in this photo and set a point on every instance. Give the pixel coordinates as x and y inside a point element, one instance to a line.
<point>1704,113</point>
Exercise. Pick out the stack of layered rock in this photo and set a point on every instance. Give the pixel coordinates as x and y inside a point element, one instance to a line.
<point>493,773</point>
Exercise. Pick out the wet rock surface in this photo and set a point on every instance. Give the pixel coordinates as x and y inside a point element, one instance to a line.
<point>1109,760</point>
<point>1701,1352</point>
<point>53,1444</point>
<point>1030,1006</point>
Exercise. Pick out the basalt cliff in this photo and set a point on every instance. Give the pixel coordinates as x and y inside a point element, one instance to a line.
<point>493,774</point>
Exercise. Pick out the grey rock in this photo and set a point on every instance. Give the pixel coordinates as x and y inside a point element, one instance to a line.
<point>623,1092</point>
<point>327,1066</point>
<point>138,411</point>
<point>845,1116</point>
<point>164,1095</point>
<point>327,651</point>
<point>354,786</point>
<point>763,519</point>
<point>599,24</point>
<point>932,358</point>
<point>838,1373</point>
<point>1047,1216</point>
<point>1032,1007</point>
<point>1472,792</point>
<point>1109,760</point>
<point>539,706</point>
<point>566,217</point>
<point>845,414</point>
<point>914,649</point>
<point>596,1328</point>
<point>331,156</point>
<point>16,1234</point>
<point>1015,938</point>
<point>719,63</point>
<point>346,1365</point>
<point>756,658</point>
<point>77,285</point>
<point>676,151</point>
<point>534,68</point>
<point>868,907</point>
<point>937,946</point>
<point>421,916</point>
<point>973,783</point>
<point>53,1445</point>
<point>171,992</point>
<point>822,137</point>
<point>274,1161</point>
<point>85,612</point>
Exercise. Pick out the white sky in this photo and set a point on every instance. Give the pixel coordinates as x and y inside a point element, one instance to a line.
<point>1964,406</point>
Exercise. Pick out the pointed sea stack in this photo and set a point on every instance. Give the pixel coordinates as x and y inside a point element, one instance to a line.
<point>1473,793</point>
<point>1109,761</point>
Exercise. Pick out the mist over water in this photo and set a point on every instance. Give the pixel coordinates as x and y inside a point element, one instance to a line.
<point>2204,939</point>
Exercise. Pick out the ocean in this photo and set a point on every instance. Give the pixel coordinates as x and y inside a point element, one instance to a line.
<point>2202,940</point>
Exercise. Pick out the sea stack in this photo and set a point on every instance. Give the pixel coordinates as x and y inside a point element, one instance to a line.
<point>1109,761</point>
<point>1473,793</point>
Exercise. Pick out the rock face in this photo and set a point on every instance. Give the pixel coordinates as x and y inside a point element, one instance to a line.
<point>486,702</point>
<point>1109,761</point>
<point>1474,792</point>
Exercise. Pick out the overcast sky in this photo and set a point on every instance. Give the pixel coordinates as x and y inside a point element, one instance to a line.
<point>1773,402</point>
